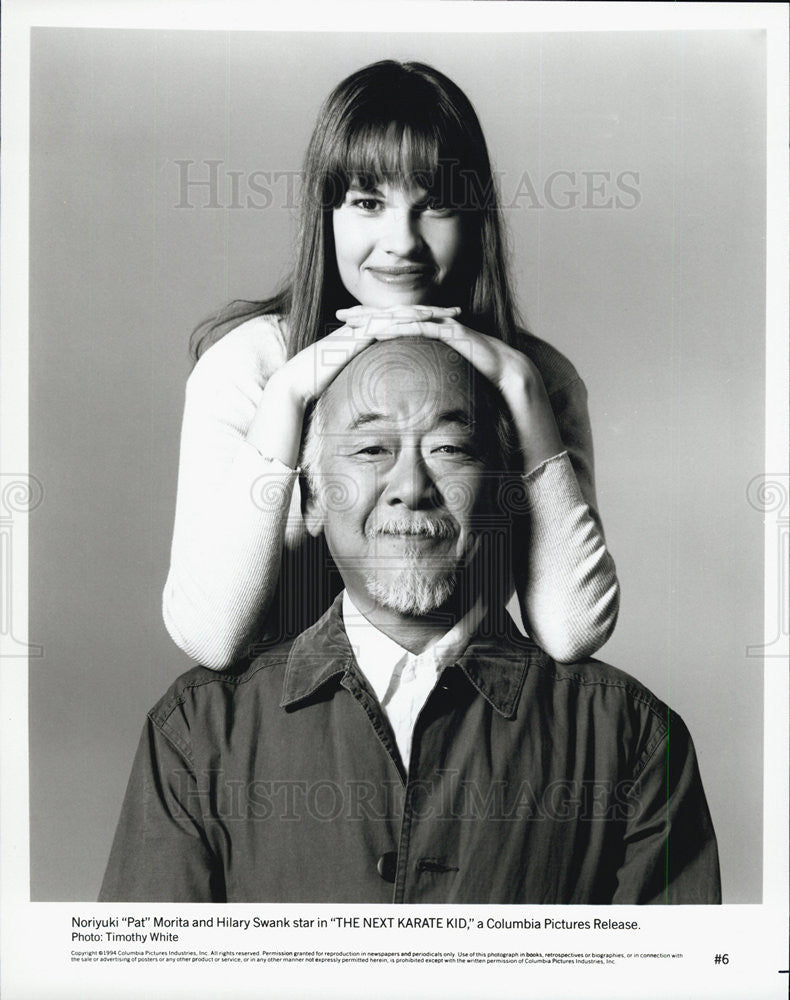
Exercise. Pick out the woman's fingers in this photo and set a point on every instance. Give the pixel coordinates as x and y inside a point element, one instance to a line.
<point>405,307</point>
<point>358,316</point>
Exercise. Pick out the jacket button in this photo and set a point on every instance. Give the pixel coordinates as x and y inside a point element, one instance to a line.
<point>387,866</point>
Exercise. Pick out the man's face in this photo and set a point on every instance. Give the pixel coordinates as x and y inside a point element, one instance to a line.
<point>402,477</point>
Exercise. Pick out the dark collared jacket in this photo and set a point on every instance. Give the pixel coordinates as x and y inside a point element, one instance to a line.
<point>529,782</point>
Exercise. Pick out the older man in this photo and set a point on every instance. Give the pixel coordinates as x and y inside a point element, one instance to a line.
<point>411,746</point>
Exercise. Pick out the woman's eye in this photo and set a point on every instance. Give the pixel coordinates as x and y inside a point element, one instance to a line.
<point>435,207</point>
<point>366,204</point>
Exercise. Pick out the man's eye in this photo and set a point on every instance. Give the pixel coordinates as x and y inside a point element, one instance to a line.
<point>450,449</point>
<point>372,450</point>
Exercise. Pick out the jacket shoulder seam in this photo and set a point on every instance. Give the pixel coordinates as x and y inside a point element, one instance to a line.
<point>161,715</point>
<point>636,692</point>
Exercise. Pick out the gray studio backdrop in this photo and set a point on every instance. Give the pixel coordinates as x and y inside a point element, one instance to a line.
<point>632,171</point>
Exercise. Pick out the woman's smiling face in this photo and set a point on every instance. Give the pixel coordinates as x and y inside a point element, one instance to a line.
<point>395,247</point>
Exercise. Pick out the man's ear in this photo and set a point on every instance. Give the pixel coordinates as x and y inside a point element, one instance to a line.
<point>312,511</point>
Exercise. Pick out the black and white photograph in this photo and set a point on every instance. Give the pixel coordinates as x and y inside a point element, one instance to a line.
<point>395,529</point>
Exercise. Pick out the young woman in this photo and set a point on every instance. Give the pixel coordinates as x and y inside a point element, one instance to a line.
<point>399,236</point>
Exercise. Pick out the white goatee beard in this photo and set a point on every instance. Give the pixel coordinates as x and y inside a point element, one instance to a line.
<point>412,591</point>
<point>415,588</point>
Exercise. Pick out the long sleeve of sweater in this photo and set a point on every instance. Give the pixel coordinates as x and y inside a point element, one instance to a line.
<point>566,581</point>
<point>236,510</point>
<point>232,506</point>
<point>565,577</point>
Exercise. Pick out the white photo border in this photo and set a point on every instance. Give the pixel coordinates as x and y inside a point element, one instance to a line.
<point>34,935</point>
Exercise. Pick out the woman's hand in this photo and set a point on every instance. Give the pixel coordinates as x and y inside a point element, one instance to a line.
<point>512,372</point>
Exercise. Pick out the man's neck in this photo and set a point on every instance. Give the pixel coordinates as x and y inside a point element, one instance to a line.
<point>413,633</point>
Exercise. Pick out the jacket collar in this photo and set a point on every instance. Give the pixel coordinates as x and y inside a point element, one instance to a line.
<point>495,662</point>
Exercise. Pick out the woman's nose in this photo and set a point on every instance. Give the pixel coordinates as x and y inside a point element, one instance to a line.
<point>401,236</point>
<point>409,482</point>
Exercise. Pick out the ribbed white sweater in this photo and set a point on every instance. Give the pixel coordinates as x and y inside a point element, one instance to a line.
<point>235,509</point>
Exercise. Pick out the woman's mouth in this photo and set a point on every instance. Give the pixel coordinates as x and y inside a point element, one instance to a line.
<point>406,274</point>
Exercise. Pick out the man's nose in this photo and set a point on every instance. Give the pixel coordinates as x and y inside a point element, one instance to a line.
<point>401,236</point>
<point>409,482</point>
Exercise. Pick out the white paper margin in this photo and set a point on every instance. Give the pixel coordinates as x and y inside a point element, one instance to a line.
<point>34,958</point>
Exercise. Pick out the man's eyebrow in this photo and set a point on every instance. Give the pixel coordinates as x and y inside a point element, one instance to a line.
<point>365,418</point>
<point>456,417</point>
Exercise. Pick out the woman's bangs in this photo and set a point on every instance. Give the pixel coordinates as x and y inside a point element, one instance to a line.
<point>395,154</point>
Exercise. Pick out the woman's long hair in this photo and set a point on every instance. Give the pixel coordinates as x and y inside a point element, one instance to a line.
<point>389,122</point>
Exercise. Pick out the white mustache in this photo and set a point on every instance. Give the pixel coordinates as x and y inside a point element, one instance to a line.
<point>440,528</point>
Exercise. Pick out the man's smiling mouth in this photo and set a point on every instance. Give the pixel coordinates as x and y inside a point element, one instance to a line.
<point>440,528</point>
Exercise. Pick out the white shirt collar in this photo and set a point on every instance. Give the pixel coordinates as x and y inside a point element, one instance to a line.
<point>376,654</point>
<point>386,664</point>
